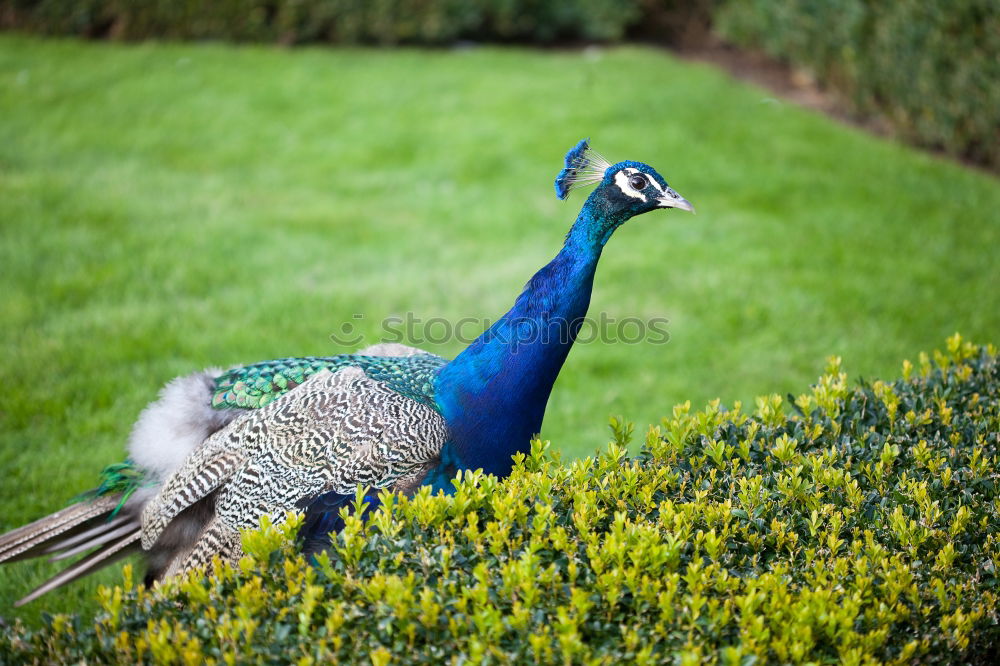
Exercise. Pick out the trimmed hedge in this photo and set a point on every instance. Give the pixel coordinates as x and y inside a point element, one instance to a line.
<point>343,21</point>
<point>366,21</point>
<point>846,525</point>
<point>930,67</point>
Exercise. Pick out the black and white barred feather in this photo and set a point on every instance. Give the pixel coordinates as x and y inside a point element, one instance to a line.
<point>333,433</point>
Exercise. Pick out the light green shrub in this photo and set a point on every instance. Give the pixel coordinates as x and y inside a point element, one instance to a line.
<point>847,525</point>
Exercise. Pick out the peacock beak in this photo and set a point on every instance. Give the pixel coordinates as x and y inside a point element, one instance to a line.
<point>671,199</point>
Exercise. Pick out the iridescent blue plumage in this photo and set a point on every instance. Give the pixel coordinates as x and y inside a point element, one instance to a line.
<point>493,395</point>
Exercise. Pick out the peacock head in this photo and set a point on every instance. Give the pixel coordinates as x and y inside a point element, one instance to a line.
<point>624,190</point>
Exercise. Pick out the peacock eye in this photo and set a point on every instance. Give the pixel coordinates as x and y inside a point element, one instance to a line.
<point>638,182</point>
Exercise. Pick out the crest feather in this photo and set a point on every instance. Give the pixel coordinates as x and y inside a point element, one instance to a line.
<point>583,167</point>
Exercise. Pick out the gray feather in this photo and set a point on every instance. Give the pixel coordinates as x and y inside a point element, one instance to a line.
<point>96,560</point>
<point>99,540</point>
<point>102,527</point>
<point>39,533</point>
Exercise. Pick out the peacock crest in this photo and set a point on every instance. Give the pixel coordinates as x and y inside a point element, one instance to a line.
<point>584,166</point>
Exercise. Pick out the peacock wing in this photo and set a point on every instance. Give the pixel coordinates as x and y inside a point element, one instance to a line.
<point>333,433</point>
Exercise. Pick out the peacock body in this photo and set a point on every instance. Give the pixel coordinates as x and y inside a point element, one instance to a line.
<point>219,450</point>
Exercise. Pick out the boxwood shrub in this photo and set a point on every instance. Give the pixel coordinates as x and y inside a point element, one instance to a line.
<point>930,68</point>
<point>850,525</point>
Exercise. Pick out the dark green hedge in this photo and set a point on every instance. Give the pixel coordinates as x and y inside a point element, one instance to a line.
<point>343,21</point>
<point>364,21</point>
<point>844,526</point>
<point>930,67</point>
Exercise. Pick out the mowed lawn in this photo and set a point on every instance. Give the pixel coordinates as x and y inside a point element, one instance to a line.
<point>168,207</point>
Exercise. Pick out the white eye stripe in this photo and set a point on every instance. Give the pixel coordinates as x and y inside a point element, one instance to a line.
<point>631,172</point>
<point>621,180</point>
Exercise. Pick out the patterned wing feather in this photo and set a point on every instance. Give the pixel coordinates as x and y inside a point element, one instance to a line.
<point>254,386</point>
<point>334,432</point>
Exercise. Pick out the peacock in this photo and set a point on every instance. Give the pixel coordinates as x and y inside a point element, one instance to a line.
<point>218,450</point>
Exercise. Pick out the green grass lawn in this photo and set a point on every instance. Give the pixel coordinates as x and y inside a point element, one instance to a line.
<point>168,207</point>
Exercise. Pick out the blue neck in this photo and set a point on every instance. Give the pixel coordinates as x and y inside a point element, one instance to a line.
<point>493,395</point>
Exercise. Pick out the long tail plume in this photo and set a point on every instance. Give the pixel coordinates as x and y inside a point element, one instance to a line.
<point>88,525</point>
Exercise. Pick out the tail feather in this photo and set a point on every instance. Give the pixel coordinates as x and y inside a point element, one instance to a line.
<point>107,523</point>
<point>16,543</point>
<point>99,540</point>
<point>81,527</point>
<point>46,544</point>
<point>108,554</point>
<point>71,540</point>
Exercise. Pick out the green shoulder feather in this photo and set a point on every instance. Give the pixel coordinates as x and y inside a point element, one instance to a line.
<point>253,386</point>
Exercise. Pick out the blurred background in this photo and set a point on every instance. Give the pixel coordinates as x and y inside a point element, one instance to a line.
<point>194,183</point>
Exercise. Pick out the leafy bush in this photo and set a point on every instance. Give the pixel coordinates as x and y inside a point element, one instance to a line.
<point>344,21</point>
<point>847,525</point>
<point>931,67</point>
<point>365,21</point>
